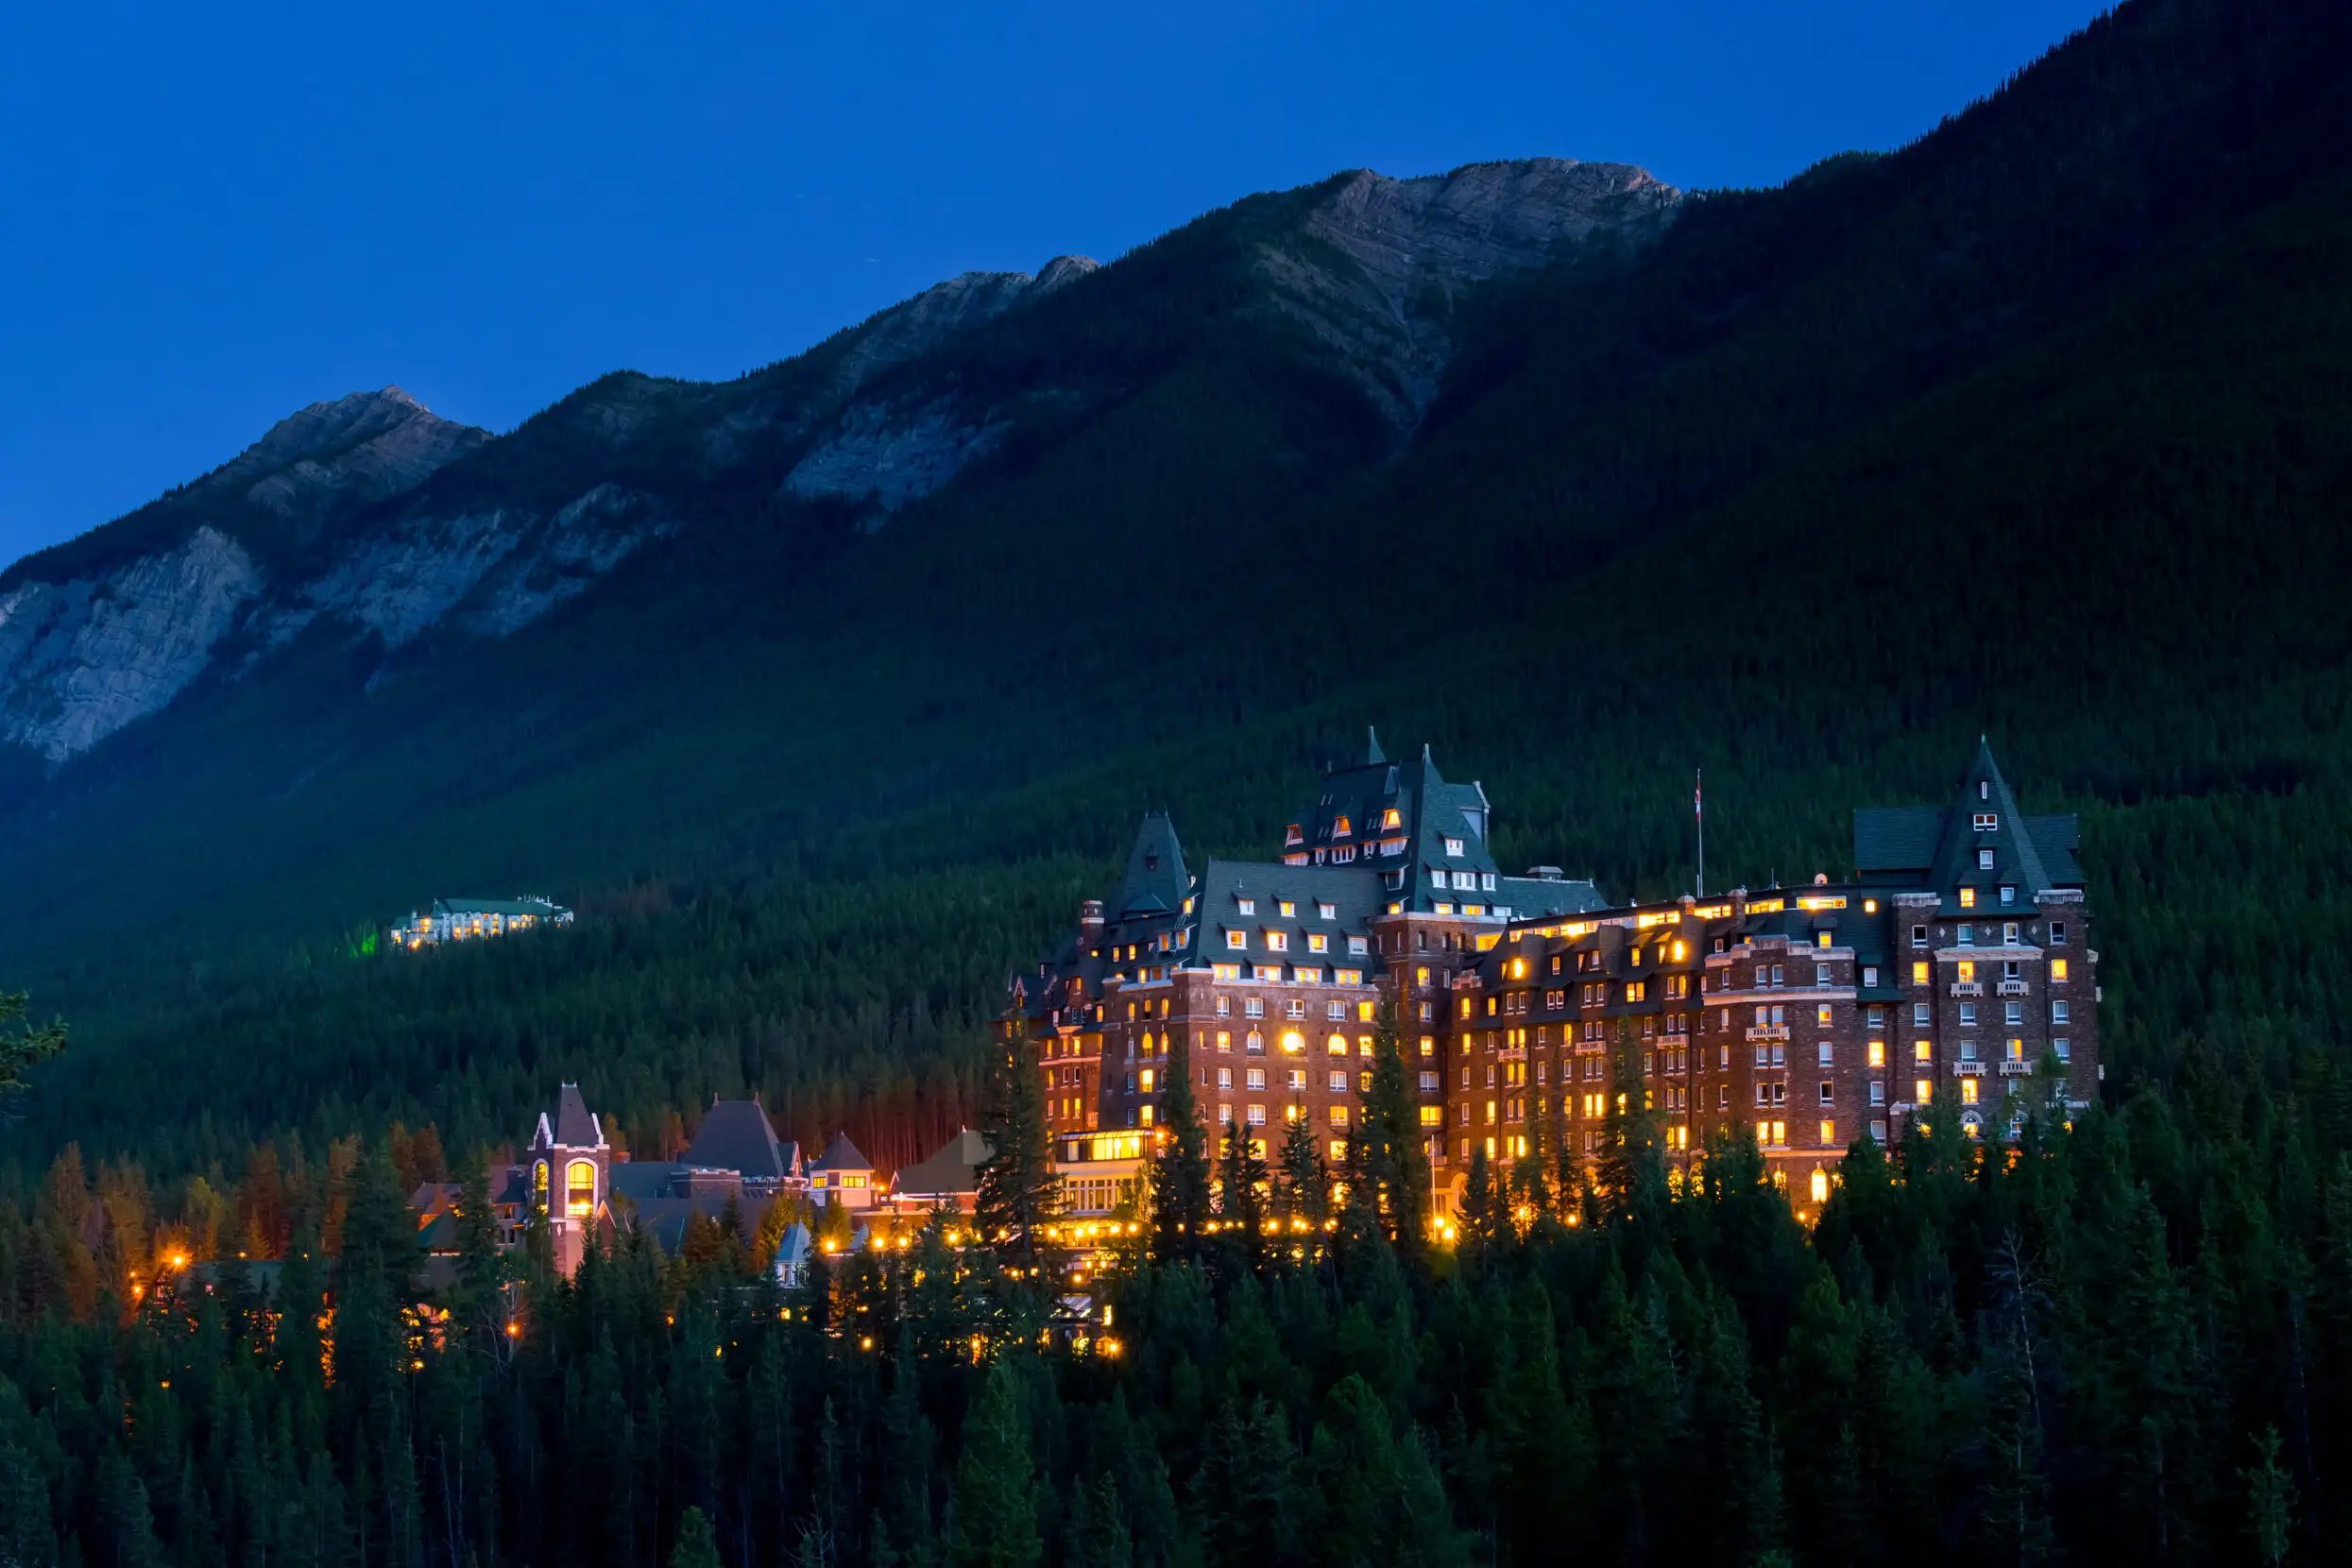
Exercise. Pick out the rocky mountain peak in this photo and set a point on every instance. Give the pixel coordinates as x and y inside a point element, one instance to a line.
<point>1415,244</point>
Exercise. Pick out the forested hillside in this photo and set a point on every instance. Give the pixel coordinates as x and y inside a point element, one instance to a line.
<point>2034,428</point>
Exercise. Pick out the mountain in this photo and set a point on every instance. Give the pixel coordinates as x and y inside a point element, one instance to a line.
<point>823,692</point>
<point>330,516</point>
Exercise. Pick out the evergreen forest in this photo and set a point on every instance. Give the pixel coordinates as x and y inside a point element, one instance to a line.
<point>2038,428</point>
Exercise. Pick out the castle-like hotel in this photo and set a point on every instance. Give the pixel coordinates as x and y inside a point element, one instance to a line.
<point>1955,967</point>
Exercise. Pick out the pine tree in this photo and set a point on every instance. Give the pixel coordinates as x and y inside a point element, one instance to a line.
<point>1305,1190</point>
<point>1019,1195</point>
<point>1389,1137</point>
<point>695,1547</point>
<point>1180,1172</point>
<point>1241,1204</point>
<point>2269,1501</point>
<point>23,1044</point>
<point>996,1484</point>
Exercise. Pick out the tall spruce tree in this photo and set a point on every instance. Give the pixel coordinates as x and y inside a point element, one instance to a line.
<point>1305,1192</point>
<point>1180,1172</point>
<point>1242,1199</point>
<point>1389,1139</point>
<point>1019,1195</point>
<point>996,1482</point>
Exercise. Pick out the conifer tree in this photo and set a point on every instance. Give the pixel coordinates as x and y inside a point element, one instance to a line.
<point>996,1483</point>
<point>695,1547</point>
<point>1180,1172</point>
<point>1019,1195</point>
<point>23,1044</point>
<point>1389,1139</point>
<point>1241,1201</point>
<point>1305,1192</point>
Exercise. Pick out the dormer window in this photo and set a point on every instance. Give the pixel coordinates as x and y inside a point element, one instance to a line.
<point>1291,835</point>
<point>1452,847</point>
<point>1247,906</point>
<point>1277,941</point>
<point>1967,898</point>
<point>1984,860</point>
<point>1340,828</point>
<point>1152,862</point>
<point>2008,894</point>
<point>1391,818</point>
<point>1329,912</point>
<point>1318,943</point>
<point>1288,909</point>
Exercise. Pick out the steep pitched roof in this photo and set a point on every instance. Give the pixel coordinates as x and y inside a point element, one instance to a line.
<point>841,1154</point>
<point>737,1136</point>
<point>1156,878</point>
<point>951,1168</point>
<point>576,1126</point>
<point>1945,850</point>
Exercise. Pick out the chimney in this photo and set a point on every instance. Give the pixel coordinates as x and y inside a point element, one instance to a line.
<point>1090,922</point>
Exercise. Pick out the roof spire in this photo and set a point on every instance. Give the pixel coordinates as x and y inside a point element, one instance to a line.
<point>1374,756</point>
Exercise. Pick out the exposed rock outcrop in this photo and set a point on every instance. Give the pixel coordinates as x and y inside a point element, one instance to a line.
<point>80,660</point>
<point>1412,247</point>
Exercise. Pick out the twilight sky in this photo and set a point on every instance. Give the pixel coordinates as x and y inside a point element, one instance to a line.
<point>212,215</point>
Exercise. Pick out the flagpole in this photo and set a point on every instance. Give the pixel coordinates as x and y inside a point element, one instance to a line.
<point>1698,813</point>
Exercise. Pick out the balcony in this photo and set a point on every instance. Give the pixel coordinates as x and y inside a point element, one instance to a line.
<point>2011,988</point>
<point>2017,1069</point>
<point>1769,1032</point>
<point>1967,1069</point>
<point>1967,988</point>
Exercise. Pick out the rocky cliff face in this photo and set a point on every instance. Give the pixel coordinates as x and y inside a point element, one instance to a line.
<point>337,522</point>
<point>1387,260</point>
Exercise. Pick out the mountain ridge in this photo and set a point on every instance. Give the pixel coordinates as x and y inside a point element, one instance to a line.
<point>328,518</point>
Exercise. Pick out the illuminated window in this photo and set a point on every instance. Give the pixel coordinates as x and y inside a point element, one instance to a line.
<point>538,1186</point>
<point>1922,1091</point>
<point>1428,1045</point>
<point>2057,971</point>
<point>1878,1053</point>
<point>1967,898</point>
<point>1294,1042</point>
<point>1919,974</point>
<point>1318,943</point>
<point>1967,969</point>
<point>1820,1177</point>
<point>580,1188</point>
<point>1277,941</point>
<point>1237,939</point>
<point>1968,1091</point>
<point>1147,1080</point>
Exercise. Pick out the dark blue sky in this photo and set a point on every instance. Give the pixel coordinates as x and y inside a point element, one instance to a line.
<point>212,215</point>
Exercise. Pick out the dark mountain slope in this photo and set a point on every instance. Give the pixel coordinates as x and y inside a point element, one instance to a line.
<point>1827,482</point>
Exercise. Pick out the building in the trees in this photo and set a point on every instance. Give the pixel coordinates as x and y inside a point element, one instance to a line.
<point>842,1175</point>
<point>465,919</point>
<point>948,1178</point>
<point>1953,968</point>
<point>564,1181</point>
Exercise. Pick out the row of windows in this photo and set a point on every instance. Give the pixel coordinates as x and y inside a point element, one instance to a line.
<point>1965,935</point>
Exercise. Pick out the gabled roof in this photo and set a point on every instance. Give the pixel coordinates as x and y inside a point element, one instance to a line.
<point>841,1154</point>
<point>737,1136</point>
<point>1526,897</point>
<point>1940,851</point>
<point>952,1168</point>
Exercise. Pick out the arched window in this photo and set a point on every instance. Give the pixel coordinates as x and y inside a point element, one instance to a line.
<point>538,1186</point>
<point>1821,1185</point>
<point>580,1188</point>
<point>1336,1044</point>
<point>1294,1042</point>
<point>1256,1044</point>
